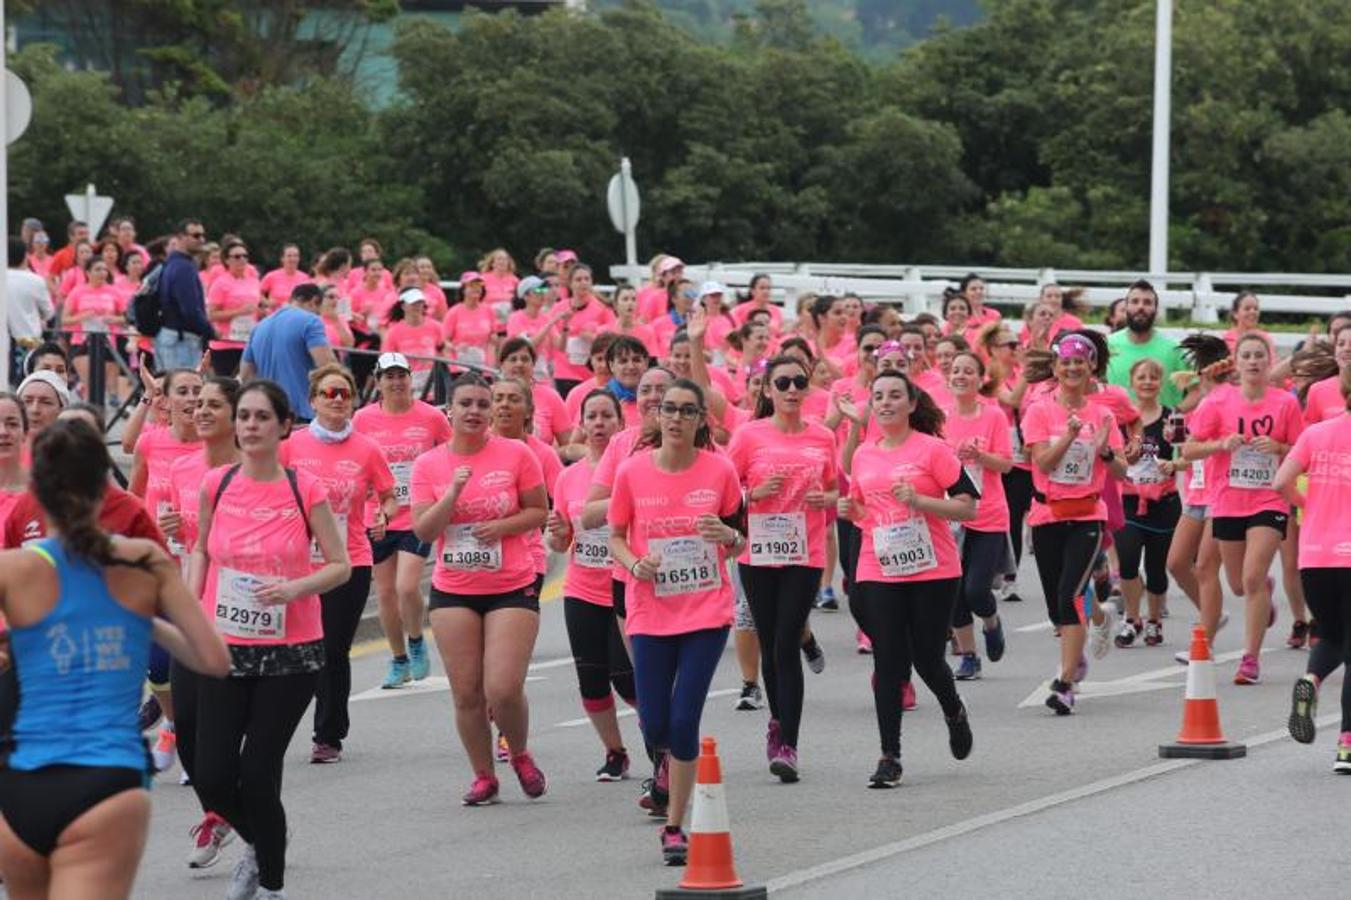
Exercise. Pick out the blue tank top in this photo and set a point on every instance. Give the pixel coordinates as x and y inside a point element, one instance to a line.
<point>80,673</point>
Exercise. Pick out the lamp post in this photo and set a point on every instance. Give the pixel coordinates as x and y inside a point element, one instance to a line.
<point>1163,88</point>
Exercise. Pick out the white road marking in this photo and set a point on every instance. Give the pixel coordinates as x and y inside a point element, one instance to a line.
<point>1032,807</point>
<point>1153,680</point>
<point>1039,626</point>
<point>627,711</point>
<point>551,663</point>
<point>430,685</point>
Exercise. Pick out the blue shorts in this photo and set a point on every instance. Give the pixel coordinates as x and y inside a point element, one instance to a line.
<point>394,541</point>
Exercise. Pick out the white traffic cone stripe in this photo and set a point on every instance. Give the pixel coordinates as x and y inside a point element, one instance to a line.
<point>1201,680</point>
<point>710,810</point>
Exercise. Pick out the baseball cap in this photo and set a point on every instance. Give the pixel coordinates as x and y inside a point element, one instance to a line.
<point>389,361</point>
<point>53,381</point>
<point>470,277</point>
<point>412,295</point>
<point>711,287</point>
<point>669,263</point>
<point>564,256</point>
<point>528,284</point>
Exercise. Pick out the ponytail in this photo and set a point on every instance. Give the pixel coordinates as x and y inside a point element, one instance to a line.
<point>926,417</point>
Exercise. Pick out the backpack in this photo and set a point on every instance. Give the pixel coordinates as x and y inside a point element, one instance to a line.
<point>229,476</point>
<point>145,310</point>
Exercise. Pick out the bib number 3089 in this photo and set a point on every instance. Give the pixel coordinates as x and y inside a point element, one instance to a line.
<point>465,552</point>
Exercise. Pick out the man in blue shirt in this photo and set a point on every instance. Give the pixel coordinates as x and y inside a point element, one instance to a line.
<point>286,345</point>
<point>185,329</point>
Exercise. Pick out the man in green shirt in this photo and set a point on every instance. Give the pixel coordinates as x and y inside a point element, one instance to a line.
<point>1139,340</point>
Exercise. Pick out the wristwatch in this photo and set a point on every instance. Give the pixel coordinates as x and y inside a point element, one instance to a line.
<point>1107,455</point>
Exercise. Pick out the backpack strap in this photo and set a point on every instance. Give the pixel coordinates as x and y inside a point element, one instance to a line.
<point>291,479</point>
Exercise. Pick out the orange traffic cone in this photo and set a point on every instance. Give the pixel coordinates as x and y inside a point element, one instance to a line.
<point>1201,736</point>
<point>709,872</point>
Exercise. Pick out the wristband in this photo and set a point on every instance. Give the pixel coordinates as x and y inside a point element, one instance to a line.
<point>633,569</point>
<point>1107,455</point>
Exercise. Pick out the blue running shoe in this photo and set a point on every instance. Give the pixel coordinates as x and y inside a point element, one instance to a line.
<point>398,674</point>
<point>825,599</point>
<point>994,641</point>
<point>969,668</point>
<point>418,664</point>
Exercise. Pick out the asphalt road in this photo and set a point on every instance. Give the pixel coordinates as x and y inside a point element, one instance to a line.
<point>1045,806</point>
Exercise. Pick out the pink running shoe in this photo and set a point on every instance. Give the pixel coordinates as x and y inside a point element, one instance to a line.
<point>772,740</point>
<point>1249,672</point>
<point>865,644</point>
<point>482,792</point>
<point>531,778</point>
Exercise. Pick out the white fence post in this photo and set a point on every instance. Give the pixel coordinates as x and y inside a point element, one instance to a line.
<point>1203,300</point>
<point>915,302</point>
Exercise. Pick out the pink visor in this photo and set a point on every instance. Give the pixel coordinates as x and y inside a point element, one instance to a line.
<point>564,256</point>
<point>469,278</point>
<point>1076,346</point>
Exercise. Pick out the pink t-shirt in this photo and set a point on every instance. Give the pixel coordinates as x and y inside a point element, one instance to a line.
<point>502,471</point>
<point>1081,472</point>
<point>933,383</point>
<point>184,496</point>
<point>1324,452</point>
<point>986,315</point>
<point>468,332</point>
<point>550,466</point>
<point>103,301</point>
<point>417,340</point>
<point>436,301</point>
<point>663,330</point>
<point>257,531</point>
<point>402,439</point>
<point>499,288</point>
<point>278,284</point>
<point>1239,483</point>
<point>990,429</point>
<point>333,333</point>
<point>367,302</point>
<point>520,322</point>
<point>783,529</point>
<point>160,450</point>
<point>651,303</point>
<point>659,510</point>
<point>358,275</point>
<point>227,293</point>
<point>589,566</point>
<point>570,359</point>
<point>742,311</point>
<point>913,547</point>
<point>1324,400</point>
<point>352,471</point>
<point>644,333</point>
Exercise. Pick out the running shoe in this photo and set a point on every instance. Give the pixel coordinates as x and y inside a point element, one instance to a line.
<point>773,740</point>
<point>816,657</point>
<point>1100,636</point>
<point>1183,656</point>
<point>149,714</point>
<point>1125,635</point>
<point>398,674</point>
<point>1002,589</point>
<point>652,800</point>
<point>1299,635</point>
<point>1153,633</point>
<point>908,700</point>
<point>1249,672</point>
<point>265,894</point>
<point>865,644</point>
<point>784,764</point>
<point>244,882</point>
<point>969,668</point>
<point>1061,698</point>
<point>529,775</point>
<point>751,698</point>
<point>825,600</point>
<point>888,774</point>
<point>675,846</point>
<point>616,766</point>
<point>994,641</point>
<point>418,663</point>
<point>503,748</point>
<point>208,836</point>
<point>1342,765</point>
<point>959,734</point>
<point>482,792</point>
<point>183,778</point>
<point>165,750</point>
<point>322,753</point>
<point>1303,708</point>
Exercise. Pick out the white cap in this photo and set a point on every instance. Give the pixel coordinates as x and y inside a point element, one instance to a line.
<point>53,381</point>
<point>412,295</point>
<point>392,361</point>
<point>711,287</point>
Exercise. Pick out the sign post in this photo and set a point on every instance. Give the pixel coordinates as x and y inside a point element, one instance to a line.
<point>622,199</point>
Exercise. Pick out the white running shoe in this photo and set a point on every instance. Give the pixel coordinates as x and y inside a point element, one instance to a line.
<point>208,837</point>
<point>244,882</point>
<point>1100,636</point>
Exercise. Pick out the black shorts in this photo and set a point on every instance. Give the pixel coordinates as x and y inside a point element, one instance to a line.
<point>521,598</point>
<point>40,804</point>
<point>1235,528</point>
<point>393,541</point>
<point>617,596</point>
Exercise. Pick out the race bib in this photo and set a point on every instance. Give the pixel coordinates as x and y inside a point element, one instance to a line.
<point>475,356</point>
<point>578,350</point>
<point>402,472</point>
<point>904,548</point>
<point>1198,481</point>
<point>1146,470</point>
<point>316,553</point>
<point>239,614</point>
<point>1016,442</point>
<point>1076,466</point>
<point>688,565</point>
<point>778,539</point>
<point>241,327</point>
<point>164,508</point>
<point>591,547</point>
<point>95,326</point>
<point>420,379</point>
<point>461,550</point>
<point>1252,469</point>
<point>344,307</point>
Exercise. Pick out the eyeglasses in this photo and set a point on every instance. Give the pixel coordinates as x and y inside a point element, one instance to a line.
<point>869,349</point>
<point>687,411</point>
<point>238,256</point>
<point>784,382</point>
<point>336,393</point>
<point>195,234</point>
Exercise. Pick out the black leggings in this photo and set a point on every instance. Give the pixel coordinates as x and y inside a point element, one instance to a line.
<point>982,559</point>
<point>1018,493</point>
<point>342,609</point>
<point>908,624</point>
<point>599,654</point>
<point>850,543</point>
<point>780,598</point>
<point>185,685</point>
<point>1149,537</point>
<point>242,736</point>
<point>1328,593</point>
<point>1066,552</point>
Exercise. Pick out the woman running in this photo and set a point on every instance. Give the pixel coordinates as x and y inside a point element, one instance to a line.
<point>588,601</point>
<point>403,428</point>
<point>977,431</point>
<point>787,466</point>
<point>252,568</point>
<point>669,529</point>
<point>352,468</point>
<point>904,489</point>
<point>1325,565</point>
<point>1073,441</point>
<point>479,497</point>
<point>73,794</point>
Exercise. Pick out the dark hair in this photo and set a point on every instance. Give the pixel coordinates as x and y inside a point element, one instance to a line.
<point>703,438</point>
<point>157,249</point>
<point>602,392</point>
<point>966,282</point>
<point>1099,342</point>
<point>955,340</point>
<point>1238,300</point>
<point>231,244</point>
<point>870,328</point>
<point>821,306</point>
<point>1201,350</point>
<point>925,318</point>
<point>333,260</point>
<point>76,224</point>
<point>231,388</point>
<point>182,228</point>
<point>372,261</point>
<point>30,361</point>
<point>913,328</point>
<point>514,344</point>
<point>70,475</point>
<point>1141,284</point>
<point>624,343</point>
<point>275,395</point>
<point>600,346</point>
<point>873,314</point>
<point>18,253</point>
<point>174,374</point>
<point>798,343</point>
<point>926,417</point>
<point>953,298</point>
<point>467,379</point>
<point>543,254</point>
<point>307,293</point>
<point>579,267</point>
<point>93,411</point>
<point>17,401</point>
<point>764,406</point>
<point>371,242</point>
<point>755,279</point>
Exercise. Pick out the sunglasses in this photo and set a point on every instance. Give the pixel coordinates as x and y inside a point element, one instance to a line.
<point>336,393</point>
<point>238,256</point>
<point>784,382</point>
<point>1011,344</point>
<point>688,411</point>
<point>195,234</point>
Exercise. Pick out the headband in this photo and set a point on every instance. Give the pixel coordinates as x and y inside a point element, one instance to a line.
<point>887,347</point>
<point>1076,346</point>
